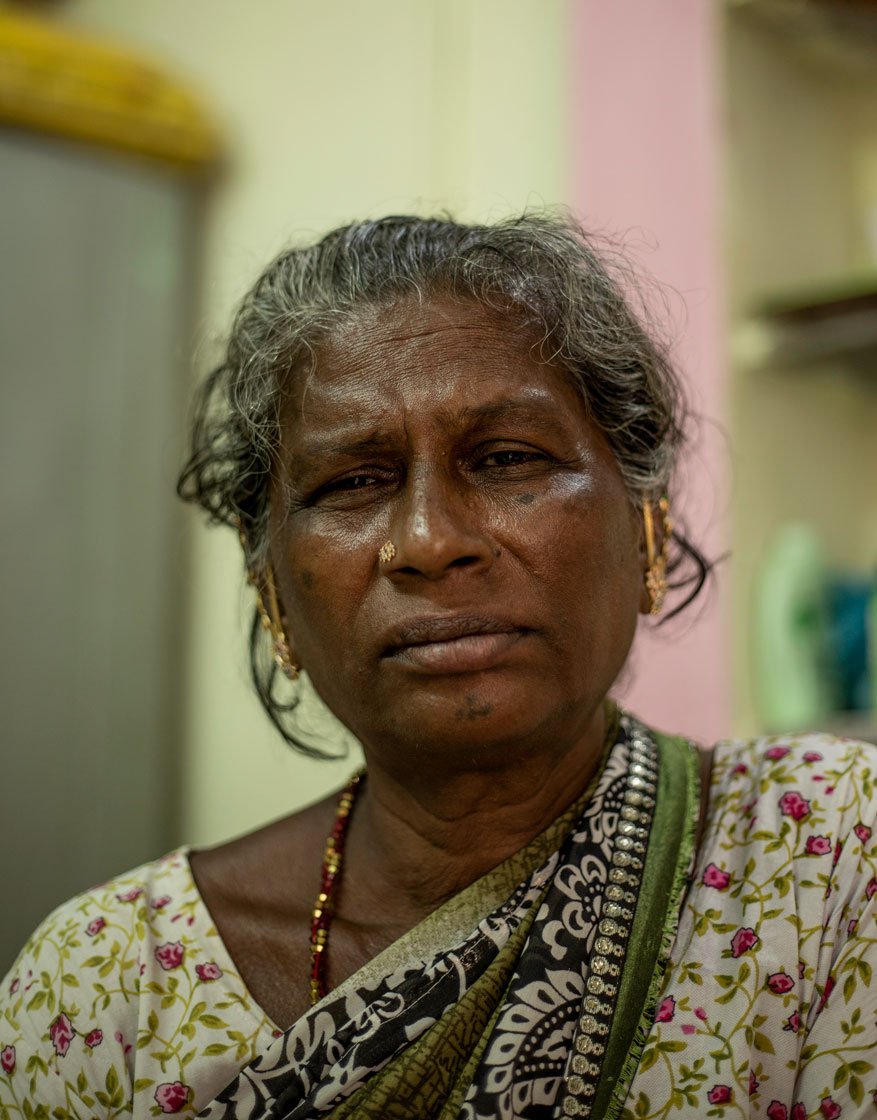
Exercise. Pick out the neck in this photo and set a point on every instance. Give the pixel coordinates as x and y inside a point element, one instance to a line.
<point>421,840</point>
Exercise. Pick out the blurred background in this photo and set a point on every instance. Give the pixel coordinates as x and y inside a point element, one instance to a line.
<point>154,156</point>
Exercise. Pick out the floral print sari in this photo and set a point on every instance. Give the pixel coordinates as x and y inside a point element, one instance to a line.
<point>762,1004</point>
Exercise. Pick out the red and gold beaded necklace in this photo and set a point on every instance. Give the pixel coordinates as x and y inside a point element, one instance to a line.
<point>321,919</point>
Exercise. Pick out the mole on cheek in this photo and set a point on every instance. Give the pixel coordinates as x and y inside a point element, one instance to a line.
<point>525,499</point>
<point>306,578</point>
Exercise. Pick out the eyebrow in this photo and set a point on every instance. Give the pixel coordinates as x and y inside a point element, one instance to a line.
<point>377,440</point>
<point>537,408</point>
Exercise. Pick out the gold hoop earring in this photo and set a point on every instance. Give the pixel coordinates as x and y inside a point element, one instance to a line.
<point>656,570</point>
<point>271,617</point>
<point>386,552</point>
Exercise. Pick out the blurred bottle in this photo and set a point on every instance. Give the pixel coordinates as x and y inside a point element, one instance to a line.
<point>851,598</point>
<point>794,681</point>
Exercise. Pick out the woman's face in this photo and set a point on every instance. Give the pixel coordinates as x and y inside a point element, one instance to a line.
<point>511,602</point>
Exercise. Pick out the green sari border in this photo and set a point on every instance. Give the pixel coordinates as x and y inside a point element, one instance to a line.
<point>665,880</point>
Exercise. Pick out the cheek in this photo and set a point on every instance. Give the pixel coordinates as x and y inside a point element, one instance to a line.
<point>322,588</point>
<point>590,546</point>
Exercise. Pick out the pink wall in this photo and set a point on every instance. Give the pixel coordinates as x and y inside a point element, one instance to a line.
<point>646,160</point>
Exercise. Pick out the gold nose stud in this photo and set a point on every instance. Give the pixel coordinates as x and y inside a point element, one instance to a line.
<point>386,552</point>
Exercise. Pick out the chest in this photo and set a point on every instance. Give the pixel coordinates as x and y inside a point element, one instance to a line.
<point>274,960</point>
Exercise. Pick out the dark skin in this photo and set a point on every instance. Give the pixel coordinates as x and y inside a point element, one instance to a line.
<point>474,665</point>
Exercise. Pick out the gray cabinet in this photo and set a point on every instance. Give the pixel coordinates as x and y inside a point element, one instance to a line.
<point>96,285</point>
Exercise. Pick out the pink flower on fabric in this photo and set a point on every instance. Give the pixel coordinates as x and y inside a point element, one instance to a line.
<point>130,896</point>
<point>170,955</point>
<point>160,902</point>
<point>740,768</point>
<point>799,1112</point>
<point>700,1012</point>
<point>666,1011</point>
<point>818,845</point>
<point>776,753</point>
<point>208,971</point>
<point>780,983</point>
<point>714,877</point>
<point>838,848</point>
<point>776,1110</point>
<point>94,1038</point>
<point>172,1096</point>
<point>95,926</point>
<point>719,1094</point>
<point>863,832</point>
<point>793,805</point>
<point>812,756</point>
<point>14,986</point>
<point>743,940</point>
<point>688,1028</point>
<point>7,1059</point>
<point>793,1023</point>
<point>871,888</point>
<point>829,988</point>
<point>829,1108</point>
<point>852,926</point>
<point>61,1034</point>
<point>829,789</point>
<point>753,1083</point>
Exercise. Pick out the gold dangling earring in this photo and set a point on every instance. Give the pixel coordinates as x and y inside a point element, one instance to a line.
<point>656,572</point>
<point>282,652</point>
<point>271,618</point>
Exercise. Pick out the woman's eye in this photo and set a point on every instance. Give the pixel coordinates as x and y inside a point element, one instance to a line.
<point>349,485</point>
<point>511,457</point>
<point>354,482</point>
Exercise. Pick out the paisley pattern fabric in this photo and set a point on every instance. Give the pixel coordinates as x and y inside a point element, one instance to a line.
<point>126,1002</point>
<point>527,961</point>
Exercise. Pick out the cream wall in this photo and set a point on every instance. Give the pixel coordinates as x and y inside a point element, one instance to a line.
<point>330,111</point>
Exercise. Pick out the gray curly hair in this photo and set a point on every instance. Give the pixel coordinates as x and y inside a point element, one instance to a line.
<point>543,270</point>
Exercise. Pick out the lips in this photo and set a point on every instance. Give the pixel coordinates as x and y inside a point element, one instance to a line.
<point>453,643</point>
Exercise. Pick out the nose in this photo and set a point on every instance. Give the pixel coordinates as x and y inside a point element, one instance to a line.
<point>438,528</point>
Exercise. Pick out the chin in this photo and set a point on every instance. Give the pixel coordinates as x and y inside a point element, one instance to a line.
<point>471,718</point>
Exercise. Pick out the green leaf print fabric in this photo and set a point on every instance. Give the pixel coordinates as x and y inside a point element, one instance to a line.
<point>125,1002</point>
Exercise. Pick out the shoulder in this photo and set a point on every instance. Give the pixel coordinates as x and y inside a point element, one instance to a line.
<point>73,1007</point>
<point>103,930</point>
<point>798,775</point>
<point>804,805</point>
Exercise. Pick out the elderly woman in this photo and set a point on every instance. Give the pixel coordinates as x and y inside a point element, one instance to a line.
<point>446,450</point>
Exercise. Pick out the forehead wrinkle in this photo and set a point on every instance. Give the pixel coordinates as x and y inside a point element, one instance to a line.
<point>455,327</point>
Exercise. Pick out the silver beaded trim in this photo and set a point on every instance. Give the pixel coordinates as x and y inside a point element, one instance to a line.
<point>610,947</point>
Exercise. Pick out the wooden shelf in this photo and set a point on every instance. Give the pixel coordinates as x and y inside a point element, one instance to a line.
<point>835,320</point>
